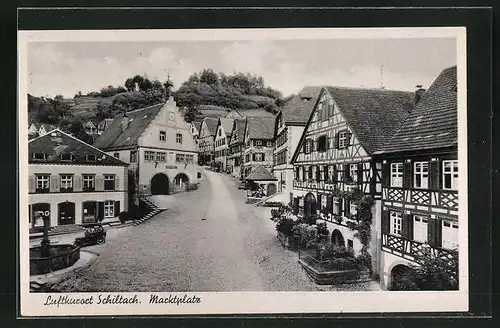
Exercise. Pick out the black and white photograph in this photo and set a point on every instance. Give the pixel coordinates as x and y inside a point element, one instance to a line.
<point>243,171</point>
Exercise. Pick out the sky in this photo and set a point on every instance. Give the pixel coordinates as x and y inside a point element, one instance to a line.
<point>286,65</point>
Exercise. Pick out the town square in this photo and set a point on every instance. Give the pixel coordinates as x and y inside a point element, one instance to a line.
<point>181,170</point>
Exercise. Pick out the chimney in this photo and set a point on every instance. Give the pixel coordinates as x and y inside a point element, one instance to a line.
<point>419,93</point>
<point>125,122</point>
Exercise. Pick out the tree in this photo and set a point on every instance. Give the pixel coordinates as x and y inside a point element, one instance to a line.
<point>209,77</point>
<point>130,84</point>
<point>191,114</point>
<point>78,131</point>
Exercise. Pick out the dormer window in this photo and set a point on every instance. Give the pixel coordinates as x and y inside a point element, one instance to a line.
<point>39,156</point>
<point>90,158</point>
<point>66,157</point>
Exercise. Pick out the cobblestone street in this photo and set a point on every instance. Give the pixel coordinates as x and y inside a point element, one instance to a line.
<point>233,249</point>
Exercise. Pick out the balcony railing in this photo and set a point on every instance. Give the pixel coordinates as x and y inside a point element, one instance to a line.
<point>443,198</point>
<point>416,249</point>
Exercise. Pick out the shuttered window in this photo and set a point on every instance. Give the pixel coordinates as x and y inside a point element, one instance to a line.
<point>109,182</point>
<point>42,183</point>
<point>109,209</point>
<point>343,142</point>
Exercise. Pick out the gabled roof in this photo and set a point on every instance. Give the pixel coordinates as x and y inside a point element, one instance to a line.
<point>47,127</point>
<point>373,115</point>
<point>211,124</point>
<point>197,126</point>
<point>227,125</point>
<point>114,138</point>
<point>259,172</point>
<point>56,142</point>
<point>238,130</point>
<point>298,109</point>
<point>260,127</point>
<point>433,123</point>
<point>105,123</point>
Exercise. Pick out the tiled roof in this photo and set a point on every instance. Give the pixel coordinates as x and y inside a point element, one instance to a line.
<point>299,108</point>
<point>373,114</point>
<point>260,127</point>
<point>211,124</point>
<point>254,112</point>
<point>114,138</point>
<point>433,123</point>
<point>197,125</point>
<point>259,172</point>
<point>227,125</point>
<point>239,130</point>
<point>310,91</point>
<point>57,142</point>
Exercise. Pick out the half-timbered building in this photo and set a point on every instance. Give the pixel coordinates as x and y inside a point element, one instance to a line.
<point>222,138</point>
<point>420,181</point>
<point>290,124</point>
<point>235,156</point>
<point>334,158</point>
<point>258,143</point>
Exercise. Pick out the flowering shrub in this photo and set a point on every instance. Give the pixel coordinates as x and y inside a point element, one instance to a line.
<point>285,226</point>
<point>322,229</point>
<point>308,235</point>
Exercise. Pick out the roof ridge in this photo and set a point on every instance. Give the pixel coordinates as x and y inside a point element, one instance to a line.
<point>68,135</point>
<point>367,89</point>
<point>139,109</point>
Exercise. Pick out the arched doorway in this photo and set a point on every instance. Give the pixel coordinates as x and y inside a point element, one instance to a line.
<point>337,238</point>
<point>181,181</point>
<point>66,213</point>
<point>159,184</point>
<point>271,189</point>
<point>402,278</point>
<point>309,204</point>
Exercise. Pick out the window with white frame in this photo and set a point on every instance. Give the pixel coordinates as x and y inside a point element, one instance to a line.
<point>420,228</point>
<point>396,223</point>
<point>160,156</point>
<point>259,157</point>
<point>421,174</point>
<point>450,234</point>
<point>396,174</point>
<point>178,138</point>
<point>340,172</point>
<point>149,155</point>
<point>343,139</point>
<point>269,144</point>
<point>88,182</point>
<point>450,175</point>
<point>109,209</point>
<point>258,142</point>
<point>163,136</point>
<point>42,183</point>
<point>336,204</point>
<point>66,182</point>
<point>307,146</point>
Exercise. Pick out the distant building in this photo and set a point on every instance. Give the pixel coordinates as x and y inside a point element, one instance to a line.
<point>222,138</point>
<point>258,144</point>
<point>290,124</point>
<point>40,129</point>
<point>158,145</point>
<point>90,128</point>
<point>235,158</point>
<point>73,182</point>
<point>242,113</point>
<point>103,125</point>
<point>195,130</point>
<point>206,141</point>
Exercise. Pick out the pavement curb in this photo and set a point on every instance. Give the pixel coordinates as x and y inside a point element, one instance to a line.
<point>46,281</point>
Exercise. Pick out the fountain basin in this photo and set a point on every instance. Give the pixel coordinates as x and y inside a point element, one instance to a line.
<point>60,257</point>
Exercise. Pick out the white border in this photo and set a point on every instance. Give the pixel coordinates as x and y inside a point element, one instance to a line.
<point>250,302</point>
